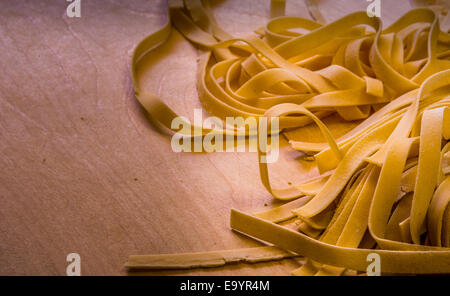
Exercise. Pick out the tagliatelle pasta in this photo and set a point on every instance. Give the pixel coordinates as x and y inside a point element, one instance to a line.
<point>384,185</point>
<point>207,259</point>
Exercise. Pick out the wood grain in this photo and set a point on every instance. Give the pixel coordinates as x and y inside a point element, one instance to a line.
<point>84,171</point>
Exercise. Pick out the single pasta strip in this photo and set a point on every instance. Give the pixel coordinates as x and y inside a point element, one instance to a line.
<point>207,259</point>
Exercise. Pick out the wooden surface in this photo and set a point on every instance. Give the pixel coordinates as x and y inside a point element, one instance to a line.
<point>82,168</point>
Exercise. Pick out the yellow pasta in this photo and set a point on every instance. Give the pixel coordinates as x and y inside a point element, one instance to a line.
<point>384,186</point>
<point>207,259</point>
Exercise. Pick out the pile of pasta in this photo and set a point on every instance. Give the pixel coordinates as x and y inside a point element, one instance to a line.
<point>384,186</point>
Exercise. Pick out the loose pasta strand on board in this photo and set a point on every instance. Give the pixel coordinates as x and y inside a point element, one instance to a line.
<point>384,181</point>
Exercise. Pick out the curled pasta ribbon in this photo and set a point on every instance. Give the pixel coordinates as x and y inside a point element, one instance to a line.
<point>384,182</point>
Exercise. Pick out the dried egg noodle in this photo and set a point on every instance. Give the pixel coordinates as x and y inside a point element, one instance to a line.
<point>384,186</point>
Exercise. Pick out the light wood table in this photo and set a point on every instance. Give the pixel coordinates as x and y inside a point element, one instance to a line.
<point>84,171</point>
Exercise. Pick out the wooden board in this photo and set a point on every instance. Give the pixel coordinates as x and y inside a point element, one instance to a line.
<point>84,171</point>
